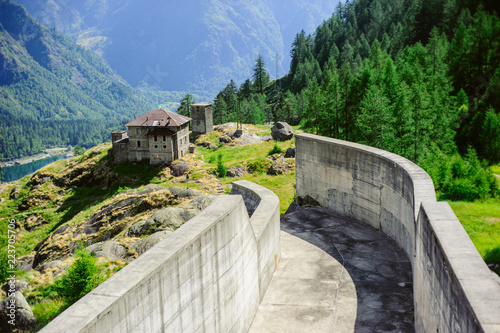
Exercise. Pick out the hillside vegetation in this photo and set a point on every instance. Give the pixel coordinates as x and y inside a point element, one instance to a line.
<point>118,211</point>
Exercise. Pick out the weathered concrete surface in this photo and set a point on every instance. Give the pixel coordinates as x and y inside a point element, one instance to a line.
<point>208,276</point>
<point>265,219</point>
<point>312,291</point>
<point>453,289</point>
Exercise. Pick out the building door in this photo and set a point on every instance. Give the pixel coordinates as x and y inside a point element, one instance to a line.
<point>139,156</point>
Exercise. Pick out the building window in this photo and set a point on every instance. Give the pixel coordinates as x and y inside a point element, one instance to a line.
<point>137,131</point>
<point>138,143</point>
<point>156,146</point>
<point>164,146</point>
<point>156,138</point>
<point>164,138</point>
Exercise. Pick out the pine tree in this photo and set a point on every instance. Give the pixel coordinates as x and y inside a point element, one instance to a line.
<point>185,106</point>
<point>260,75</point>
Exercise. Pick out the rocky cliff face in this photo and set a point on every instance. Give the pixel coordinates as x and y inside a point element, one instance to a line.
<point>196,45</point>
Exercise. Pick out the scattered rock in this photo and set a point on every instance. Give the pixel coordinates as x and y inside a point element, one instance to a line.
<point>237,134</point>
<point>202,202</point>
<point>135,229</point>
<point>178,192</point>
<point>192,149</point>
<point>209,145</point>
<point>15,193</point>
<point>2,200</point>
<point>17,286</point>
<point>169,218</point>
<point>24,318</point>
<point>281,131</point>
<point>225,139</point>
<point>33,221</point>
<point>267,137</point>
<point>35,187</point>
<point>179,168</point>
<point>44,180</point>
<point>236,172</point>
<point>279,167</point>
<point>290,152</point>
<point>110,249</point>
<point>49,265</point>
<point>145,244</point>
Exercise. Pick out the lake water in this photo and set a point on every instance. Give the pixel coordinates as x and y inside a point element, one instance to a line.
<point>19,171</point>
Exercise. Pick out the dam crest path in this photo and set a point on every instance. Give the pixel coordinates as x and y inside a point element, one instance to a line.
<point>336,275</point>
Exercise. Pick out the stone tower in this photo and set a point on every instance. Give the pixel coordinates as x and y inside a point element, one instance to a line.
<point>202,118</point>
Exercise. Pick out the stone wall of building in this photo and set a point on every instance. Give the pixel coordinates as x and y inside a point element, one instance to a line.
<point>454,291</point>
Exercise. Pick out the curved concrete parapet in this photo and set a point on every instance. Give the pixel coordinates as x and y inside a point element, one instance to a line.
<point>265,208</point>
<point>208,276</point>
<point>454,291</point>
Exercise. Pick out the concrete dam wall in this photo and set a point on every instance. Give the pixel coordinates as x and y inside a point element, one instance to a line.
<point>454,291</point>
<point>208,276</point>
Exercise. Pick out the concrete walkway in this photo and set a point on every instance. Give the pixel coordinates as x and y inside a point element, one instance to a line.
<point>336,275</point>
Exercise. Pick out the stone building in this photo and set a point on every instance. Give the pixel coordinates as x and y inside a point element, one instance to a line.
<point>202,118</point>
<point>158,136</point>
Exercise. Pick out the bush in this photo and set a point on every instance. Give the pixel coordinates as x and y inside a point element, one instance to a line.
<point>457,178</point>
<point>275,150</point>
<point>259,166</point>
<point>82,276</point>
<point>78,150</point>
<point>221,170</point>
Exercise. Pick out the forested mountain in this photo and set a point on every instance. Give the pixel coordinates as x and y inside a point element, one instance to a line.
<point>402,75</point>
<point>52,91</point>
<point>195,45</point>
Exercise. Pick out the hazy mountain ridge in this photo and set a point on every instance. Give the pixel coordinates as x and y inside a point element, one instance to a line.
<point>53,89</point>
<point>196,45</point>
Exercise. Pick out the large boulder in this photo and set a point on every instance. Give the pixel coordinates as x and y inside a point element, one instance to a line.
<point>281,131</point>
<point>110,249</point>
<point>16,314</point>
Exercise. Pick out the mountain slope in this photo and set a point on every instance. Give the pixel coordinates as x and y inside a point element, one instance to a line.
<point>52,91</point>
<point>198,45</point>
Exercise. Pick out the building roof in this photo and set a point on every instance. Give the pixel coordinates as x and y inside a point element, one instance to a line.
<point>159,118</point>
<point>201,104</point>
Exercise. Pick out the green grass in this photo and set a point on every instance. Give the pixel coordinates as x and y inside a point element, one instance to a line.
<point>495,169</point>
<point>481,221</point>
<point>282,185</point>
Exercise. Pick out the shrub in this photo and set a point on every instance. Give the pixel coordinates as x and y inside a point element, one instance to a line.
<point>221,169</point>
<point>458,178</point>
<point>78,150</point>
<point>81,277</point>
<point>275,150</point>
<point>259,166</point>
